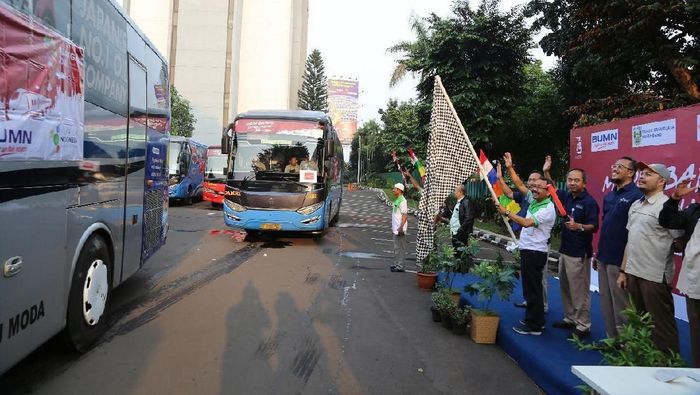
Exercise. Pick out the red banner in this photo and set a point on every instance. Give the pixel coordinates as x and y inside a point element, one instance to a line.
<point>669,137</point>
<point>41,91</point>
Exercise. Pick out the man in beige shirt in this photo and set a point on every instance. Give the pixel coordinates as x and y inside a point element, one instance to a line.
<point>647,265</point>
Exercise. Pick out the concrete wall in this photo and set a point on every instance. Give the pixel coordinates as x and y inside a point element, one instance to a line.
<point>154,19</point>
<point>265,44</point>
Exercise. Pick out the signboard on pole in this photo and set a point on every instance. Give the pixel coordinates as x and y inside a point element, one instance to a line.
<point>342,107</point>
<point>670,137</point>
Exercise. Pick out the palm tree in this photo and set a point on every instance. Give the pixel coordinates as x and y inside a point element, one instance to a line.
<point>412,53</point>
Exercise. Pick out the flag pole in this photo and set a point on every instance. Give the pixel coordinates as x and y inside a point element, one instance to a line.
<point>476,157</point>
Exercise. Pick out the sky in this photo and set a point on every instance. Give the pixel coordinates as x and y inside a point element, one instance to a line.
<point>353,42</point>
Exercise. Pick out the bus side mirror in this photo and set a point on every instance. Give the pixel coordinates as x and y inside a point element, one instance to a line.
<point>330,149</point>
<point>226,140</point>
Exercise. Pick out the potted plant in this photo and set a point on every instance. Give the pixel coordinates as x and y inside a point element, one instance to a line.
<point>444,305</point>
<point>427,274</point>
<point>495,278</point>
<point>426,277</point>
<point>447,313</point>
<point>460,319</point>
<point>461,263</point>
<point>440,300</point>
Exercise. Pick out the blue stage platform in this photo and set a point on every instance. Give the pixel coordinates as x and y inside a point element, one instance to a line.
<point>548,358</point>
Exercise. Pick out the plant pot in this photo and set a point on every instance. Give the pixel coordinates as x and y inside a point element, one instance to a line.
<point>484,328</point>
<point>459,329</point>
<point>446,320</point>
<point>426,280</point>
<point>436,314</point>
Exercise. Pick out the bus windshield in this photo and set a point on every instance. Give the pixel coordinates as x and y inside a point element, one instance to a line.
<point>216,164</point>
<point>278,146</point>
<point>173,156</point>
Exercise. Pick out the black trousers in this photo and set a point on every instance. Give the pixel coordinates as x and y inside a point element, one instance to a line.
<point>532,265</point>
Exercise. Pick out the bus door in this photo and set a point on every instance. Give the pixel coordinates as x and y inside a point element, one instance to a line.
<point>134,189</point>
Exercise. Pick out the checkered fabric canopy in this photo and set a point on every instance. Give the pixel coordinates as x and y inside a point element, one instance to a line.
<point>450,161</point>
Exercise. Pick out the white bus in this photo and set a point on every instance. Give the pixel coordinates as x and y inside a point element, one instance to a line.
<point>83,171</point>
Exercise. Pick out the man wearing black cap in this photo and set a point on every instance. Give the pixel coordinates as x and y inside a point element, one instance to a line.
<point>647,265</point>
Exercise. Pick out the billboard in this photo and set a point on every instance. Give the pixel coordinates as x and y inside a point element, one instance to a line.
<point>670,137</point>
<point>41,91</point>
<point>342,107</point>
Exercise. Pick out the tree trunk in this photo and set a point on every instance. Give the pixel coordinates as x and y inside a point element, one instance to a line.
<point>685,79</point>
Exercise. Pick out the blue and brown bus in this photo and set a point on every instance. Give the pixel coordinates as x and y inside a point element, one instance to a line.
<point>84,185</point>
<point>284,171</point>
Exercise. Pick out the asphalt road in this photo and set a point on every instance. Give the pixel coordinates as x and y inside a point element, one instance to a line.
<point>285,315</point>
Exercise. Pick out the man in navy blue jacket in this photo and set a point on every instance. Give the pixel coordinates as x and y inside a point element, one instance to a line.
<point>575,251</point>
<point>613,238</point>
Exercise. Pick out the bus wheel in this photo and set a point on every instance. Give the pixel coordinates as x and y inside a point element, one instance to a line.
<point>89,295</point>
<point>188,200</point>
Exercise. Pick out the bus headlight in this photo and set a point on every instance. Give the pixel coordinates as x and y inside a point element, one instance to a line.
<point>310,209</point>
<point>233,206</point>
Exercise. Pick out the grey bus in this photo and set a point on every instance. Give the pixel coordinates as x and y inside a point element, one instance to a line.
<point>76,224</point>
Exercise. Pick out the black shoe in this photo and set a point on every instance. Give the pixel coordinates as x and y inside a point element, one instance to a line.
<point>523,323</point>
<point>522,305</point>
<point>580,334</point>
<point>564,324</point>
<point>397,269</point>
<point>526,330</point>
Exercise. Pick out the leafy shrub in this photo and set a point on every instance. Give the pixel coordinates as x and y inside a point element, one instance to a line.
<point>633,346</point>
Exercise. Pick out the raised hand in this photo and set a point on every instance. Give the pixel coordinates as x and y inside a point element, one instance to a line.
<point>508,159</point>
<point>682,188</point>
<point>547,166</point>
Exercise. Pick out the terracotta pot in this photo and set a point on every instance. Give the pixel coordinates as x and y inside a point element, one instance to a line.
<point>426,280</point>
<point>484,328</point>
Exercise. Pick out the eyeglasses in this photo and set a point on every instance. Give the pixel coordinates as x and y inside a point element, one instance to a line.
<point>618,166</point>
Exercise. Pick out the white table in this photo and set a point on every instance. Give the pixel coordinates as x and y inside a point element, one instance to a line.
<point>632,380</point>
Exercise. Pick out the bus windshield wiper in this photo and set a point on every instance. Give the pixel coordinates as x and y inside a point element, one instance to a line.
<point>245,179</point>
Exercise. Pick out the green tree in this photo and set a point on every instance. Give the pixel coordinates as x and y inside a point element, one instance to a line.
<point>620,58</point>
<point>480,55</point>
<point>373,156</point>
<point>181,118</point>
<point>401,129</point>
<point>313,94</point>
<point>539,124</point>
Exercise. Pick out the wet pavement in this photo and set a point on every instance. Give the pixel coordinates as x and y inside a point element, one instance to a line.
<point>212,313</point>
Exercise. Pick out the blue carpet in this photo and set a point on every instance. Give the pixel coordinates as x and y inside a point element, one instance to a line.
<point>548,358</point>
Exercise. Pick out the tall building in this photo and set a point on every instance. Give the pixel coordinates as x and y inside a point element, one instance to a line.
<point>228,56</point>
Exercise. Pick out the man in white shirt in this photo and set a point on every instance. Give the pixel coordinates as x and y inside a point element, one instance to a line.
<point>533,244</point>
<point>399,225</point>
<point>647,264</point>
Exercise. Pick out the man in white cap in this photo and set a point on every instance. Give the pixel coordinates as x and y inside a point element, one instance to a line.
<point>399,225</point>
<point>647,264</point>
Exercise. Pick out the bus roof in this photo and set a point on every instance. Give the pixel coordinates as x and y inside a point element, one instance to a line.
<point>138,30</point>
<point>303,115</point>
